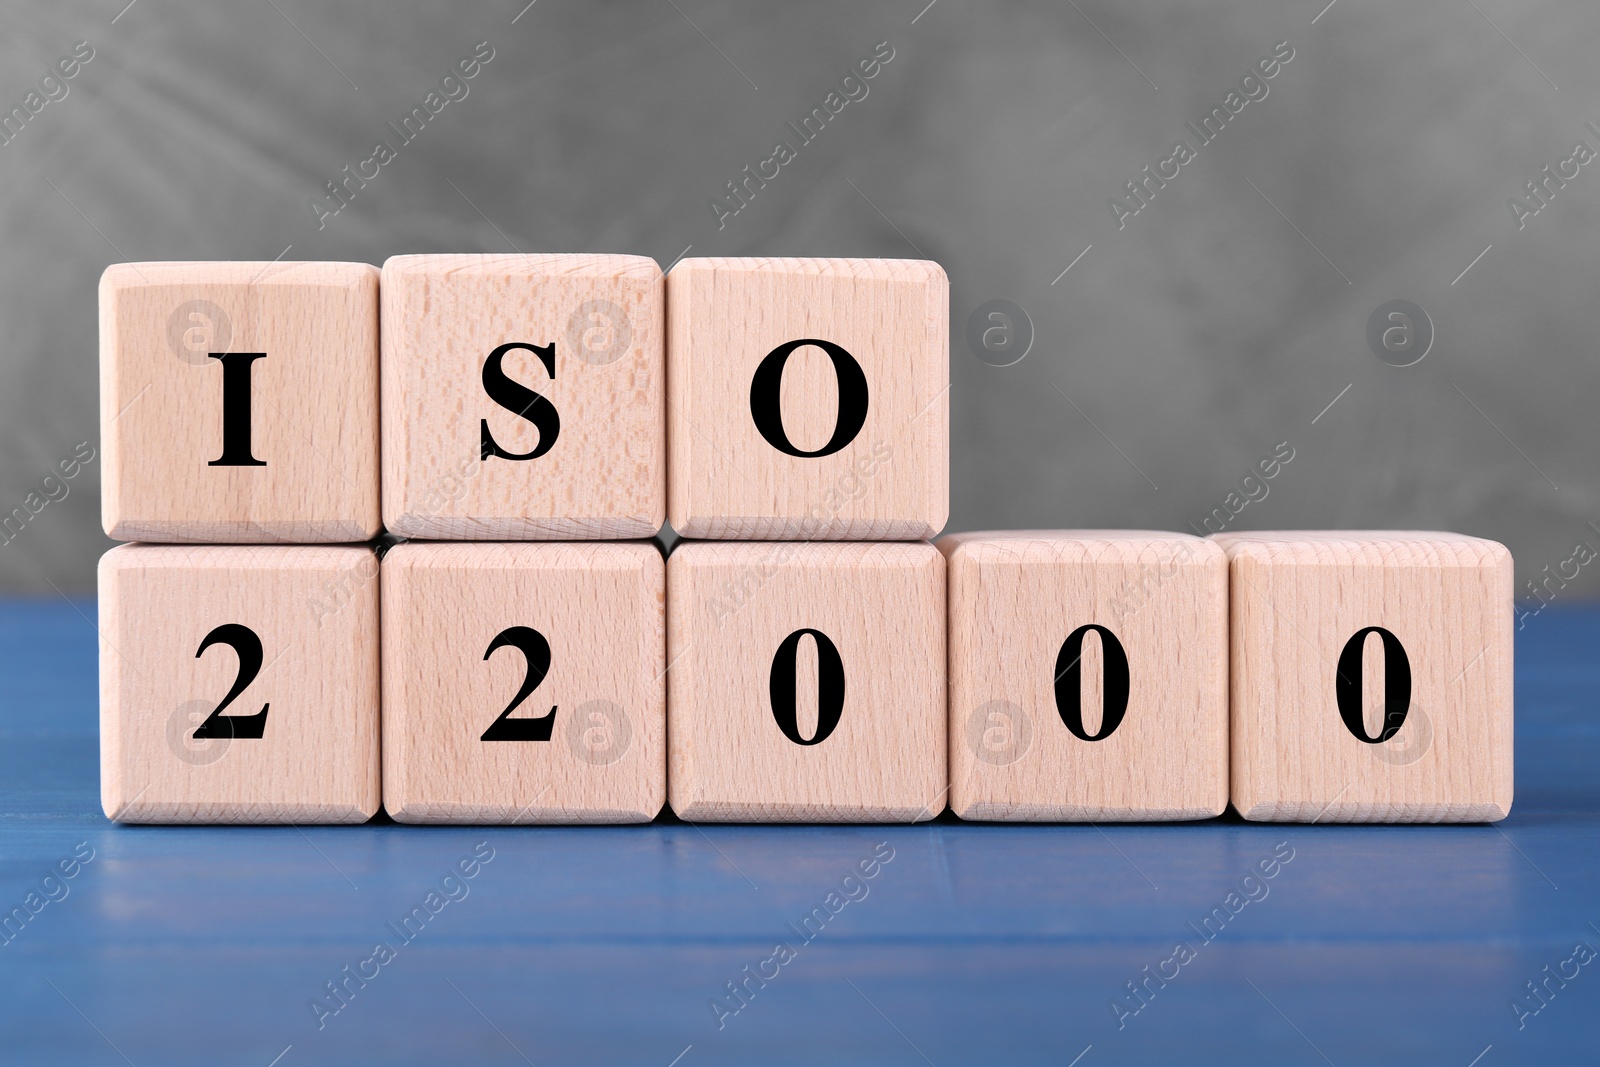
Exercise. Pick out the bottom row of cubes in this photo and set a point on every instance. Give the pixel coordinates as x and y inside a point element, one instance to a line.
<point>1061,676</point>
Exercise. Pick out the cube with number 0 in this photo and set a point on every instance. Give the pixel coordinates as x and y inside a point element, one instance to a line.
<point>1371,676</point>
<point>1088,675</point>
<point>239,683</point>
<point>807,681</point>
<point>524,683</point>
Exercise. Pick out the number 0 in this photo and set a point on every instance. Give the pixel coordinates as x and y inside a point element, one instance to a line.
<point>1069,691</point>
<point>830,687</point>
<point>1396,685</point>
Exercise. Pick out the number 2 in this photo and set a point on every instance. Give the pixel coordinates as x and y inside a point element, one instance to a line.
<point>536,652</point>
<point>244,641</point>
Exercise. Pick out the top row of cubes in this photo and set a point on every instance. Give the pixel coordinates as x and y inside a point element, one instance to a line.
<point>526,397</point>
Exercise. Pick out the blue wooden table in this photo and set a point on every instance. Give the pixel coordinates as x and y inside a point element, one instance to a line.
<point>968,943</point>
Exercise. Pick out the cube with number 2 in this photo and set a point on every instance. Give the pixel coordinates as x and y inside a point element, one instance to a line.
<point>524,683</point>
<point>239,683</point>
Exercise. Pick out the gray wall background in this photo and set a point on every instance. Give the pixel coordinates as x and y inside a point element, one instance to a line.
<point>1174,354</point>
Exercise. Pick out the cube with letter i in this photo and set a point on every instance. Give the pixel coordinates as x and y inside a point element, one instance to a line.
<point>239,402</point>
<point>1371,676</point>
<point>1088,675</point>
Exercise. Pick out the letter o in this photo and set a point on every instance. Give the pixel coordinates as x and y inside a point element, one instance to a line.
<point>765,391</point>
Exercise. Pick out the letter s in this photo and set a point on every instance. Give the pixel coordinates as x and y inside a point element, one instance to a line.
<point>520,400</point>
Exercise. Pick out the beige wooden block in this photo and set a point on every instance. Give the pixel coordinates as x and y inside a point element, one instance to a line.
<point>239,401</point>
<point>523,397</point>
<point>772,435</point>
<point>239,684</point>
<point>524,683</point>
<point>1051,720</point>
<point>1432,700</point>
<point>769,722</point>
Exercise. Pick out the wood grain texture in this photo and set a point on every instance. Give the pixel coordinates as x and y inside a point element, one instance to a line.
<point>1296,599</point>
<point>600,607</point>
<point>726,481</point>
<point>314,401</point>
<point>1015,596</point>
<point>605,476</point>
<point>730,605</point>
<point>315,611</point>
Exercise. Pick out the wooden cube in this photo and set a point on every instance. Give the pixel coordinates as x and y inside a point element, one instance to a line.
<point>1088,675</point>
<point>807,682</point>
<point>239,684</point>
<point>239,401</point>
<point>523,397</point>
<point>808,398</point>
<point>1371,676</point>
<point>524,683</point>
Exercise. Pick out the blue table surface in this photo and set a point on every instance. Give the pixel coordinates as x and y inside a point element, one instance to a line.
<point>972,944</point>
